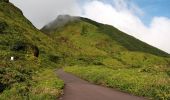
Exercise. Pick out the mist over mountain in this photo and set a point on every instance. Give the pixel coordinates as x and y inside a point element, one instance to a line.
<point>60,21</point>
<point>97,52</point>
<point>65,20</point>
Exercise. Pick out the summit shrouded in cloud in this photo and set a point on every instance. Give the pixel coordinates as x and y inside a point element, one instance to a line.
<point>146,20</point>
<point>75,40</point>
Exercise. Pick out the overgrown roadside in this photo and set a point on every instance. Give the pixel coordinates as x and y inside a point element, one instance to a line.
<point>152,85</point>
<point>45,85</point>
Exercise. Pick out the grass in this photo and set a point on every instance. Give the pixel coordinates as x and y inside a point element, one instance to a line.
<point>87,42</point>
<point>47,87</point>
<point>128,64</point>
<point>28,76</point>
<point>135,81</point>
<point>44,86</point>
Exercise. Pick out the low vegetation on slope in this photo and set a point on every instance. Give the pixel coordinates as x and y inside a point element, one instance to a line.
<point>32,56</point>
<point>83,41</point>
<point>75,41</point>
<point>111,57</point>
<point>154,85</point>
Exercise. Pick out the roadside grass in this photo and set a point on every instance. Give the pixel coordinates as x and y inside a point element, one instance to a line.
<point>44,86</point>
<point>27,77</point>
<point>135,81</point>
<point>47,87</point>
<point>138,68</point>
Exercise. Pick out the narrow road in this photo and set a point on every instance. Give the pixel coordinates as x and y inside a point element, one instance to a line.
<point>78,89</point>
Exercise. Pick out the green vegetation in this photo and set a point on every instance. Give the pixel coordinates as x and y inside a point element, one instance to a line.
<point>85,42</point>
<point>112,58</point>
<point>120,60</point>
<point>44,86</point>
<point>47,87</point>
<point>136,81</point>
<point>31,74</point>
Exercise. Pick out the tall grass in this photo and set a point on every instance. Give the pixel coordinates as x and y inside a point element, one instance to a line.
<point>151,85</point>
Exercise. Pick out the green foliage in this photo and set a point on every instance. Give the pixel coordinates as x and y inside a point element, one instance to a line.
<point>122,61</point>
<point>168,72</point>
<point>78,42</point>
<point>151,85</point>
<point>23,78</point>
<point>4,1</point>
<point>45,86</point>
<point>85,42</point>
<point>11,73</point>
<point>130,42</point>
<point>3,26</point>
<point>54,58</point>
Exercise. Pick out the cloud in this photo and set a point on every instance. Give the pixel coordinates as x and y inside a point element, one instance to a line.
<point>123,14</point>
<point>41,12</point>
<point>125,17</point>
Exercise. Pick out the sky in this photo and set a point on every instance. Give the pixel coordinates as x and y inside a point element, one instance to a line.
<point>147,20</point>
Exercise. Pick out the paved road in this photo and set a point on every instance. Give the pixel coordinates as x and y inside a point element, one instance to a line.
<point>78,89</point>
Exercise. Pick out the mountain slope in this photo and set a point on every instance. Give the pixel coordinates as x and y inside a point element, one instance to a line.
<point>32,58</point>
<point>106,56</point>
<point>87,41</point>
<point>72,41</point>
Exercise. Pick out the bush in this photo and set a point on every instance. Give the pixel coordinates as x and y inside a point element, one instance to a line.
<point>4,1</point>
<point>11,74</point>
<point>19,46</point>
<point>26,47</point>
<point>3,26</point>
<point>168,72</point>
<point>54,58</point>
<point>2,87</point>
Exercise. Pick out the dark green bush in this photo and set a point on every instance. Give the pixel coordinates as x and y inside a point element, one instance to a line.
<point>168,72</point>
<point>4,1</point>
<point>21,46</point>
<point>4,43</point>
<point>11,74</point>
<point>3,26</point>
<point>84,30</point>
<point>54,58</point>
<point>2,87</point>
<point>35,50</point>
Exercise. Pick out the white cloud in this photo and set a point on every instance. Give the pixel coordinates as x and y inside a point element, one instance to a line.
<point>41,12</point>
<point>123,14</point>
<point>124,18</point>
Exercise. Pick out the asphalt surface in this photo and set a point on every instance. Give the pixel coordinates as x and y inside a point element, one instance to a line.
<point>78,89</point>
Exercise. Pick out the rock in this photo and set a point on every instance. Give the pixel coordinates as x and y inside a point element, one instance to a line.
<point>35,51</point>
<point>12,58</point>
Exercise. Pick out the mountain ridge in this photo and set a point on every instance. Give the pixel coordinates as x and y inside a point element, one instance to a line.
<point>67,19</point>
<point>94,50</point>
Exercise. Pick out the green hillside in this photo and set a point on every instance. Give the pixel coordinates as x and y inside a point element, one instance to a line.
<point>26,76</point>
<point>96,52</point>
<point>84,41</point>
<point>104,55</point>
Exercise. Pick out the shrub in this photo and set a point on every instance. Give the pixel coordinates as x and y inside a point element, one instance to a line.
<point>54,58</point>
<point>35,50</point>
<point>2,87</point>
<point>168,72</point>
<point>4,1</point>
<point>3,26</point>
<point>21,46</point>
<point>11,74</point>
